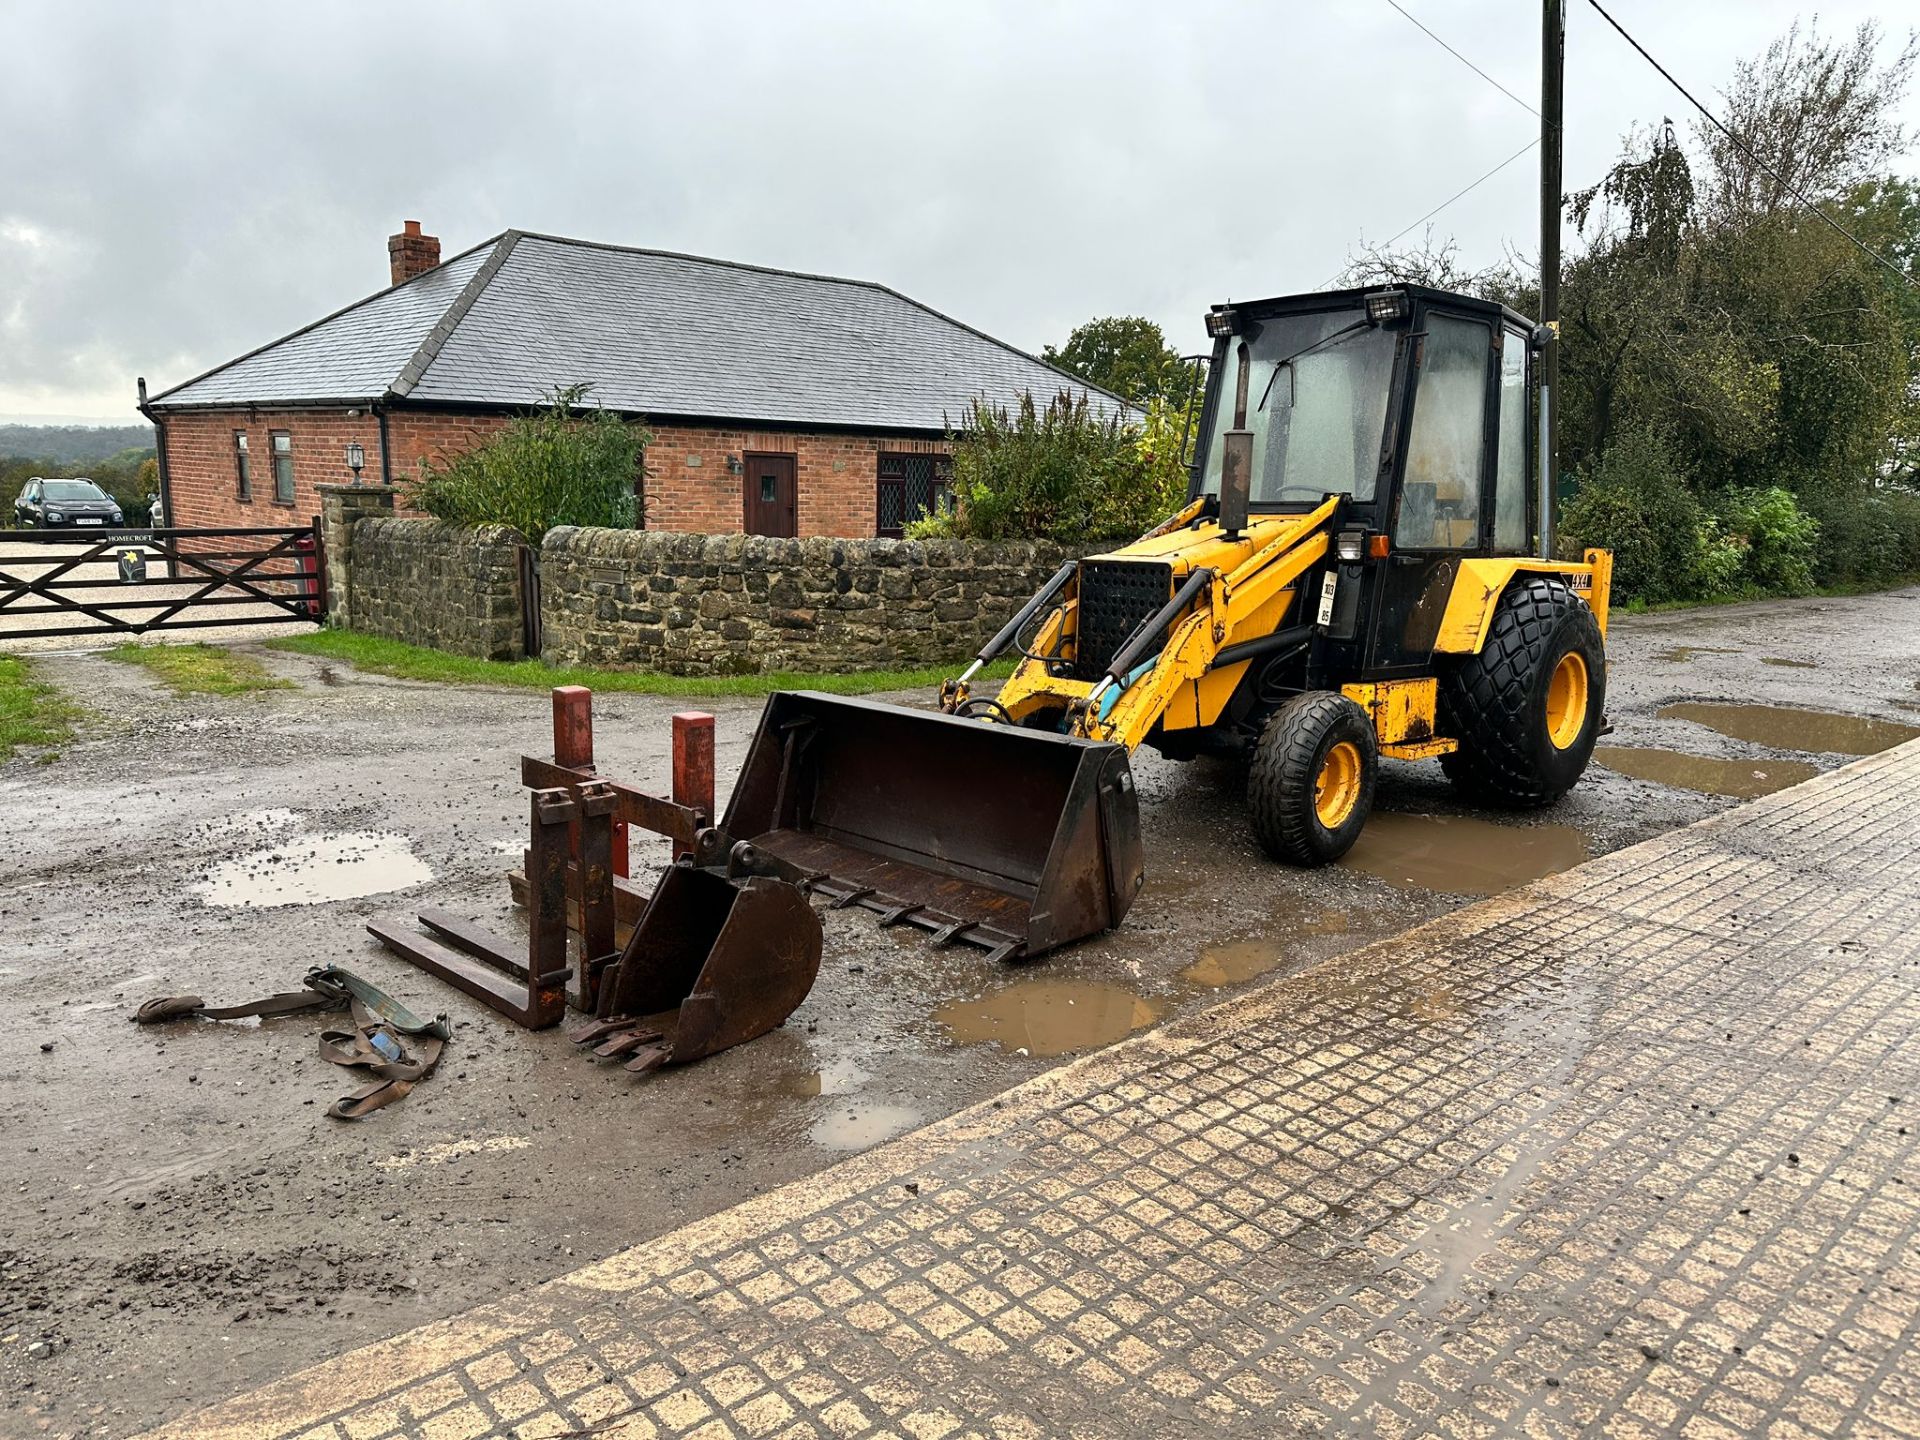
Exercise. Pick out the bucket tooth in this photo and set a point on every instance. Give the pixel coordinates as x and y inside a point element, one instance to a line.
<point>649,1060</point>
<point>595,1031</point>
<point>625,1044</point>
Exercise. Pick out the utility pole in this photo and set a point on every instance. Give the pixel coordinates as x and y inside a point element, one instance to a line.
<point>1553,45</point>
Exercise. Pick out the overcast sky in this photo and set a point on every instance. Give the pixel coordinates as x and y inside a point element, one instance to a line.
<point>181,182</point>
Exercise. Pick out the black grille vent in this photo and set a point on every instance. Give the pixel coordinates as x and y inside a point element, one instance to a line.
<point>1115,596</point>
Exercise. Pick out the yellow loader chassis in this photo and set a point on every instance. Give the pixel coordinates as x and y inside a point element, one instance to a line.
<point>1479,584</point>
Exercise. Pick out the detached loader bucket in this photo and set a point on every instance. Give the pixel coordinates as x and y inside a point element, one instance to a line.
<point>731,959</point>
<point>1017,840</point>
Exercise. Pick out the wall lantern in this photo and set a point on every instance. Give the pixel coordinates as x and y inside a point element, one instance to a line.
<point>733,465</point>
<point>356,460</point>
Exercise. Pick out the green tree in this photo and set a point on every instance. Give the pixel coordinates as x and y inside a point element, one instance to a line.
<point>1125,354</point>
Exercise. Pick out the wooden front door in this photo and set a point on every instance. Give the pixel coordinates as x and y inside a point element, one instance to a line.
<point>772,506</point>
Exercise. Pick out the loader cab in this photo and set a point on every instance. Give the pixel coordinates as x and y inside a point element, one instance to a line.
<point>1412,403</point>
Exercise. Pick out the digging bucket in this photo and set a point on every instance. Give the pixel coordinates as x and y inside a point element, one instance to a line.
<point>1017,840</point>
<point>730,959</point>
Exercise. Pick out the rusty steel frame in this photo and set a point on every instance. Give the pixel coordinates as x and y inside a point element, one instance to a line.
<point>680,818</point>
<point>574,875</point>
<point>533,992</point>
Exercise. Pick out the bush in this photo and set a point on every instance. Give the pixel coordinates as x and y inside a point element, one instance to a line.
<point>1060,473</point>
<point>1777,539</point>
<point>1867,536</point>
<point>563,465</point>
<point>1665,546</point>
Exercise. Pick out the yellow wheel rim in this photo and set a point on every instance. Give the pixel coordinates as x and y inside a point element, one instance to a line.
<point>1336,789</point>
<point>1567,700</point>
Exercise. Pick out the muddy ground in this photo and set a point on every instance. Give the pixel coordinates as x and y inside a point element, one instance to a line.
<point>184,1221</point>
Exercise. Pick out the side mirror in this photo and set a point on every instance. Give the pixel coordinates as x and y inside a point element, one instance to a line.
<point>1542,337</point>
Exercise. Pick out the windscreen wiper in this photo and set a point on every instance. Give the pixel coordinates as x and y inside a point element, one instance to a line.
<point>1361,324</point>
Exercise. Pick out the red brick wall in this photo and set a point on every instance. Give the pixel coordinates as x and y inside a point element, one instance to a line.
<point>202,477</point>
<point>688,484</point>
<point>688,487</point>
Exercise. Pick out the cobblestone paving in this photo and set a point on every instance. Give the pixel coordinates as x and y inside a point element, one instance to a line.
<point>1629,1152</point>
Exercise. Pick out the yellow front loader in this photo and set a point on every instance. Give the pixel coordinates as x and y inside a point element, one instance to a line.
<point>1356,574</point>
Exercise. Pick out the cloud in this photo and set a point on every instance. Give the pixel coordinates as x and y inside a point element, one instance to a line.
<point>181,183</point>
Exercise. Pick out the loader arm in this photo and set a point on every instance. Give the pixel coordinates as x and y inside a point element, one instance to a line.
<point>1238,588</point>
<point>1244,604</point>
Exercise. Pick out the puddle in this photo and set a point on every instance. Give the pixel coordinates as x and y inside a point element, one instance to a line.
<point>1786,728</point>
<point>856,1127</point>
<point>1790,664</point>
<point>1462,855</point>
<point>1047,1017</point>
<point>1739,779</point>
<point>1680,654</point>
<point>316,868</point>
<point>1238,961</point>
<point>839,1077</point>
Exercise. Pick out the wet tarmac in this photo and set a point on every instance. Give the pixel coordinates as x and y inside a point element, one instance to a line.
<point>185,1219</point>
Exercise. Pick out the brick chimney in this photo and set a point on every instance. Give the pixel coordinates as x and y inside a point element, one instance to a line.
<point>410,253</point>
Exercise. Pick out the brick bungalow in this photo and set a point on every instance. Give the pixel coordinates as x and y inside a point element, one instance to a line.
<point>780,403</point>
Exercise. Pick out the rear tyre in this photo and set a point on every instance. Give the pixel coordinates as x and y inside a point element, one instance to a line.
<point>1527,708</point>
<point>1310,786</point>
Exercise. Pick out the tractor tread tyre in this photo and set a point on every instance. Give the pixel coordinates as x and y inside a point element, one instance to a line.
<point>1494,703</point>
<point>1286,761</point>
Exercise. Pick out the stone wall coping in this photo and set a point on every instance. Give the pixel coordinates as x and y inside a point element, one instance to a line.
<point>426,529</point>
<point>605,544</point>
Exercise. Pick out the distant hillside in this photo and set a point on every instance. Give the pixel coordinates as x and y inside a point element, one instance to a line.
<point>69,443</point>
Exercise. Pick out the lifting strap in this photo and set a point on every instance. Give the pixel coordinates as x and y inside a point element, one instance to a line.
<point>377,1043</point>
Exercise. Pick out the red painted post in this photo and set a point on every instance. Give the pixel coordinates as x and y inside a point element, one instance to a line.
<point>693,761</point>
<point>573,727</point>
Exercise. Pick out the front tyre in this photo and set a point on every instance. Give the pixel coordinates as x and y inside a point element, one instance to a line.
<point>1310,787</point>
<point>1526,710</point>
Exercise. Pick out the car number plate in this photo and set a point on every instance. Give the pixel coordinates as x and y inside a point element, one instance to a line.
<point>87,520</point>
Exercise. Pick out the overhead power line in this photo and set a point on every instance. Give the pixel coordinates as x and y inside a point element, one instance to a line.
<point>1463,59</point>
<point>1457,195</point>
<point>1745,149</point>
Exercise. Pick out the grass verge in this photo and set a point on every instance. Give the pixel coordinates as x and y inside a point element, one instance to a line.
<point>200,669</point>
<point>415,662</point>
<point>32,712</point>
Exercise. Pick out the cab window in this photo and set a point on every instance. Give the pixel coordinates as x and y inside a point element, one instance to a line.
<point>1446,451</point>
<point>1510,535</point>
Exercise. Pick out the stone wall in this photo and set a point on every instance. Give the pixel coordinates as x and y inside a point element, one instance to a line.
<point>430,583</point>
<point>720,604</point>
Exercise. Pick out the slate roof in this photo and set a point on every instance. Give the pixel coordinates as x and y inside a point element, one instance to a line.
<point>653,332</point>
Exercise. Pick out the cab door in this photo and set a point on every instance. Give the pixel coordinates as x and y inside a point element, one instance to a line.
<point>1443,505</point>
